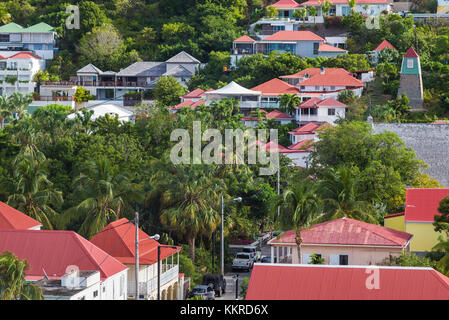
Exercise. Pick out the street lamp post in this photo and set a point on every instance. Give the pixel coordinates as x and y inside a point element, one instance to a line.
<point>236,287</point>
<point>155,237</point>
<point>222,231</point>
<point>159,268</point>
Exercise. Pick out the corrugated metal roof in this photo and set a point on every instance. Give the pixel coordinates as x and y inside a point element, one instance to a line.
<point>11,27</point>
<point>345,231</point>
<point>144,69</point>
<point>324,282</point>
<point>11,218</point>
<point>90,68</point>
<point>421,204</point>
<point>118,239</point>
<point>55,250</point>
<point>178,72</point>
<point>183,57</point>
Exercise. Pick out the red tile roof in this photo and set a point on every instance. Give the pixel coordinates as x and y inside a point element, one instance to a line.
<point>384,44</point>
<point>188,103</point>
<point>11,218</point>
<point>244,39</point>
<point>275,87</point>
<point>347,231</point>
<point>285,4</point>
<point>276,114</point>
<point>328,48</point>
<point>197,93</point>
<point>303,146</point>
<point>411,53</point>
<point>118,239</point>
<point>421,203</point>
<point>325,282</point>
<point>55,250</point>
<point>294,36</point>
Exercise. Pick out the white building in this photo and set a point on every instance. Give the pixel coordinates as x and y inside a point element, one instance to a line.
<point>118,239</point>
<point>38,38</point>
<point>53,254</point>
<point>112,110</point>
<point>17,71</point>
<point>320,110</point>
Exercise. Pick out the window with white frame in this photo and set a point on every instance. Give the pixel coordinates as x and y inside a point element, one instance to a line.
<point>331,112</point>
<point>409,63</point>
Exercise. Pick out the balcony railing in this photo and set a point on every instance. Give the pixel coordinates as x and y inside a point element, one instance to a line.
<point>99,83</point>
<point>53,98</point>
<point>145,288</point>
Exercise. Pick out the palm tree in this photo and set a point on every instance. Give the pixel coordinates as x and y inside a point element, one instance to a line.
<point>352,4</point>
<point>302,207</point>
<point>5,110</point>
<point>325,7</point>
<point>312,12</point>
<point>288,102</point>
<point>13,285</point>
<point>19,103</point>
<point>443,246</point>
<point>34,194</point>
<point>104,193</point>
<point>339,190</point>
<point>189,202</point>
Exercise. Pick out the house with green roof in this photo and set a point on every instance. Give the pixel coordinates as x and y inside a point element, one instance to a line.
<point>38,38</point>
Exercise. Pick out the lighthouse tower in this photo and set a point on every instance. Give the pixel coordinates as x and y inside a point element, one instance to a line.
<point>410,82</point>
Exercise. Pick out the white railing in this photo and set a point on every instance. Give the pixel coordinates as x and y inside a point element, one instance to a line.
<point>146,288</point>
<point>250,104</point>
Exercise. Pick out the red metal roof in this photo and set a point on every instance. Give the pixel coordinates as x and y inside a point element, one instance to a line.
<point>11,218</point>
<point>310,72</point>
<point>275,87</point>
<point>328,48</point>
<point>276,114</point>
<point>244,39</point>
<point>421,203</point>
<point>24,55</point>
<point>394,215</point>
<point>310,128</point>
<point>294,36</point>
<point>347,231</point>
<point>316,103</point>
<point>197,93</point>
<point>285,4</point>
<point>384,44</point>
<point>411,53</point>
<point>337,77</point>
<point>188,103</point>
<point>55,250</point>
<point>324,282</point>
<point>303,146</point>
<point>118,239</point>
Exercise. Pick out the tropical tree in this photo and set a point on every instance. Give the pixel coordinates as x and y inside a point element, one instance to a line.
<point>325,7</point>
<point>302,207</point>
<point>189,203</point>
<point>19,102</point>
<point>352,4</point>
<point>288,102</point>
<point>340,192</point>
<point>443,246</point>
<point>272,12</point>
<point>33,193</point>
<point>105,193</point>
<point>301,13</point>
<point>312,12</point>
<point>5,110</point>
<point>13,285</point>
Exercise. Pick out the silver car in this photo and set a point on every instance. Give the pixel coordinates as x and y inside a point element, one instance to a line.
<point>207,292</point>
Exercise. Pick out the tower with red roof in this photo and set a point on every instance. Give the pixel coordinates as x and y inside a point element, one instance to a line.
<point>410,82</point>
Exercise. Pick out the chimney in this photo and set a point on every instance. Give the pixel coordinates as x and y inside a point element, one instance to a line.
<point>322,70</point>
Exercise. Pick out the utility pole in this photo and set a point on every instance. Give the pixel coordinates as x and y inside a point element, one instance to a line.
<point>279,190</point>
<point>136,223</point>
<point>416,39</point>
<point>222,235</point>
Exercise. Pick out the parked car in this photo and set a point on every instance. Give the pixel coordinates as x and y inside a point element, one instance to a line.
<point>207,292</point>
<point>266,259</point>
<point>242,261</point>
<point>256,254</point>
<point>216,281</point>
